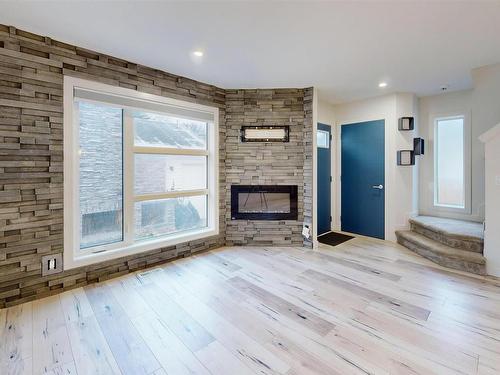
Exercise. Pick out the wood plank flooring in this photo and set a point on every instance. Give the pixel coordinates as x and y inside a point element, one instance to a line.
<point>363,307</point>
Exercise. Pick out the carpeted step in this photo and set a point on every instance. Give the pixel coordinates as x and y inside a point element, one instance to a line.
<point>442,254</point>
<point>460,234</point>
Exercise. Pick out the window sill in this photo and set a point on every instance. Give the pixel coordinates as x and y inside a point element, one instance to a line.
<point>74,260</point>
<point>448,209</point>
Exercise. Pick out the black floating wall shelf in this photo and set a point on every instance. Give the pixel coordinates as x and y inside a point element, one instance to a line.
<point>418,146</point>
<point>406,157</point>
<point>406,123</point>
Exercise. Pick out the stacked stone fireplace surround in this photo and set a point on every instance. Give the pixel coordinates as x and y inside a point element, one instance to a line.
<point>31,159</point>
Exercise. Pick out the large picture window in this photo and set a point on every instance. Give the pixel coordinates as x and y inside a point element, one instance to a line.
<point>449,162</point>
<point>140,172</point>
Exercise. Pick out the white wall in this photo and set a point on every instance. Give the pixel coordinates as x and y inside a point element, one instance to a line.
<point>482,105</point>
<point>485,115</point>
<point>326,113</point>
<point>407,105</point>
<point>400,182</point>
<point>492,190</point>
<point>430,107</point>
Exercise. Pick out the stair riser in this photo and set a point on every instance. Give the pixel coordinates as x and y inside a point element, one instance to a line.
<point>457,264</point>
<point>474,246</point>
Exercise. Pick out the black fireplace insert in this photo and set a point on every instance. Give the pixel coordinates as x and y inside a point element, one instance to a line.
<point>264,202</point>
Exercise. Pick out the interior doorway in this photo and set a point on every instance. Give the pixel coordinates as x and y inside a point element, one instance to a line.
<point>324,179</point>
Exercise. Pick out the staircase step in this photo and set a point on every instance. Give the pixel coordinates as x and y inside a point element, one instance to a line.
<point>442,254</point>
<point>460,234</point>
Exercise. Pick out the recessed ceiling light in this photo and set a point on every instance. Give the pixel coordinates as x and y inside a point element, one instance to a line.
<point>198,53</point>
<point>382,84</point>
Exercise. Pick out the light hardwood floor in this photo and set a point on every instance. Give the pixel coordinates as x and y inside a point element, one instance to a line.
<point>364,307</point>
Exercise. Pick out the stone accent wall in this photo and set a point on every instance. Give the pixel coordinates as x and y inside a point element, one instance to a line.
<point>308,161</point>
<point>265,163</point>
<point>31,158</point>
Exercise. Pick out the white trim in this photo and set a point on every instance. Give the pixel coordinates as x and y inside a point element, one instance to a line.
<point>333,170</point>
<point>128,177</point>
<point>443,208</point>
<point>168,151</point>
<point>136,248</point>
<point>314,187</point>
<point>337,190</point>
<point>73,256</point>
<point>132,99</point>
<point>170,194</point>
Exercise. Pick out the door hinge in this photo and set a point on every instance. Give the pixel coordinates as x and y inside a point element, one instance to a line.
<point>331,137</point>
<point>330,219</point>
<point>331,178</point>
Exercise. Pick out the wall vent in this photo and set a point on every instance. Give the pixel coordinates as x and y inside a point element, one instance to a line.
<point>149,272</point>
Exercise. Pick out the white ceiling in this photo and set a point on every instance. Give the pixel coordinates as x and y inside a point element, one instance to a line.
<point>343,48</point>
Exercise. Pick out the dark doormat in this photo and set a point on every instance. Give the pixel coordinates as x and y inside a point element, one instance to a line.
<point>333,238</point>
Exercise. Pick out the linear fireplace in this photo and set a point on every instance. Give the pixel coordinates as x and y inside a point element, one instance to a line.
<point>264,202</point>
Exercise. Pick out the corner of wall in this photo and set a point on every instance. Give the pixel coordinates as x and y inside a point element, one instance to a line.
<point>309,171</point>
<point>247,163</point>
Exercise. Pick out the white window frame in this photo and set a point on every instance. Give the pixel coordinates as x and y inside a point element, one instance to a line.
<point>466,162</point>
<point>76,257</point>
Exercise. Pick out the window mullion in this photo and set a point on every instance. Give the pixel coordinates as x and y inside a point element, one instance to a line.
<point>170,194</point>
<point>75,182</point>
<point>169,151</point>
<point>128,176</point>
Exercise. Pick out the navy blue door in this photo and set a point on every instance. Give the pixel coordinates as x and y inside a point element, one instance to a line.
<point>324,178</point>
<point>363,176</point>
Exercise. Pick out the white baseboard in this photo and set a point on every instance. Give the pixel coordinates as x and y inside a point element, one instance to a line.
<point>492,269</point>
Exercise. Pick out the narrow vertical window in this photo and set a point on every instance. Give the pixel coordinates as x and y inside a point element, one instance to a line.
<point>323,139</point>
<point>101,174</point>
<point>449,162</point>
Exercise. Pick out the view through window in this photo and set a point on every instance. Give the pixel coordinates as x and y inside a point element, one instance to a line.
<point>449,182</point>
<point>169,166</point>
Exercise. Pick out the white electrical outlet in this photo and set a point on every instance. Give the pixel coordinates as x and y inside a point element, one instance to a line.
<point>51,264</point>
<point>306,231</point>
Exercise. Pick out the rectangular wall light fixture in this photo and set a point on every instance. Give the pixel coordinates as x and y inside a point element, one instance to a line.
<point>265,133</point>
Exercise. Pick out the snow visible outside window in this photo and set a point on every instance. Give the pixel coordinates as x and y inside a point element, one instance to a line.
<point>101,176</point>
<point>154,130</point>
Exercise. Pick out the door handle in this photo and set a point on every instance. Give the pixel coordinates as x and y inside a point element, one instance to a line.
<point>380,187</point>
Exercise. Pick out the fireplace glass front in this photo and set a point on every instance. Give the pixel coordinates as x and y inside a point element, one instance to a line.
<point>264,202</point>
